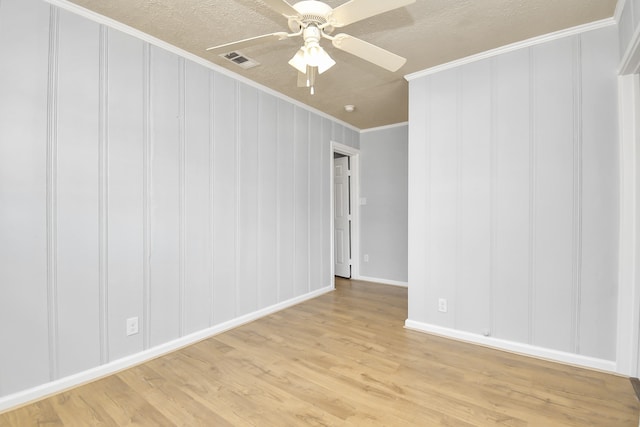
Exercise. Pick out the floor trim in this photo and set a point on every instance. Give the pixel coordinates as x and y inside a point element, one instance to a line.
<point>515,347</point>
<point>382,281</point>
<point>20,398</point>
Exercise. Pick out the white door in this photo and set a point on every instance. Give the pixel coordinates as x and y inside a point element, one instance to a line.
<point>341,217</point>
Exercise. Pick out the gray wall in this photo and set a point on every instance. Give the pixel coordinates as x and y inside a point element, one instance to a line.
<point>628,14</point>
<point>383,220</point>
<point>628,24</point>
<point>136,183</point>
<point>513,196</point>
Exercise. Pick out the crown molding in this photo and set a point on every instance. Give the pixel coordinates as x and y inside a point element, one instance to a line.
<point>119,26</point>
<point>385,127</point>
<point>514,46</point>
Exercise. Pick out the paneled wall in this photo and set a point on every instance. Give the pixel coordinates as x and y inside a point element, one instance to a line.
<point>513,197</point>
<point>383,220</point>
<point>135,183</point>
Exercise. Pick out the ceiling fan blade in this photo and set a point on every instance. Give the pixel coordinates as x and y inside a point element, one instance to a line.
<point>372,53</point>
<point>282,7</point>
<point>357,10</point>
<point>249,42</point>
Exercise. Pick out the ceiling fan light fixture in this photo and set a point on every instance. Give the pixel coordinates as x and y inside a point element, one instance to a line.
<point>318,57</point>
<point>298,61</point>
<point>313,56</point>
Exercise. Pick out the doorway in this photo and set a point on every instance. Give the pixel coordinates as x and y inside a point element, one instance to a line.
<point>342,215</point>
<point>344,162</point>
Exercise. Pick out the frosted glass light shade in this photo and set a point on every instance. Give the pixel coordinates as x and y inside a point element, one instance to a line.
<point>298,61</point>
<point>322,60</point>
<point>313,56</point>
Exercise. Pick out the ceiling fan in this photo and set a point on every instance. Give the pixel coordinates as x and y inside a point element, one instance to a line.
<point>314,21</point>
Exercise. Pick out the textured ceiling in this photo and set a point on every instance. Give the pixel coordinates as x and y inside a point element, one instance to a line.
<point>427,33</point>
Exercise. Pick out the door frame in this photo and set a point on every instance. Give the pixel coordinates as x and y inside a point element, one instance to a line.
<point>354,155</point>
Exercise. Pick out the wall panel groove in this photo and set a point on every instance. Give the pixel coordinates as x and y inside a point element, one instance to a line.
<point>315,200</point>
<point>103,196</point>
<point>238,187</point>
<point>309,176</point>
<point>532,193</point>
<point>212,123</point>
<point>493,166</point>
<point>146,196</point>
<point>577,190</point>
<point>325,206</point>
<point>181,195</point>
<point>259,225</point>
<point>458,235</point>
<point>294,201</point>
<point>278,210</point>
<point>429,195</point>
<point>52,188</point>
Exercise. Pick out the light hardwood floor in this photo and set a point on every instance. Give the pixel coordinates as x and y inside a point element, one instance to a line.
<point>340,359</point>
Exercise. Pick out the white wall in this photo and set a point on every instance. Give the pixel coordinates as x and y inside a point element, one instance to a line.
<point>383,220</point>
<point>513,196</point>
<point>134,182</point>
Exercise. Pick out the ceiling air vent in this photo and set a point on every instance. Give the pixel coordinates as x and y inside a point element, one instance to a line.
<point>241,60</point>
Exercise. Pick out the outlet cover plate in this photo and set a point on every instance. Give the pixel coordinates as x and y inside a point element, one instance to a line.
<point>442,305</point>
<point>132,326</point>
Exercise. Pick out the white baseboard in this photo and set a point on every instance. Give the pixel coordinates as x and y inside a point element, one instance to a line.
<point>382,281</point>
<point>23,397</point>
<point>515,347</point>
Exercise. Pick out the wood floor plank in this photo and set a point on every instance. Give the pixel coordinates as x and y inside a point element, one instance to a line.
<point>341,359</point>
<point>36,414</point>
<point>73,409</point>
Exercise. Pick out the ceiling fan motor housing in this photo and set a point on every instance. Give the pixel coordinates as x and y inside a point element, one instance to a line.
<point>311,12</point>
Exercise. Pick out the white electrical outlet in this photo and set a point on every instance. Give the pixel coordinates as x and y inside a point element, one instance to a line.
<point>366,257</point>
<point>442,305</point>
<point>132,326</point>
